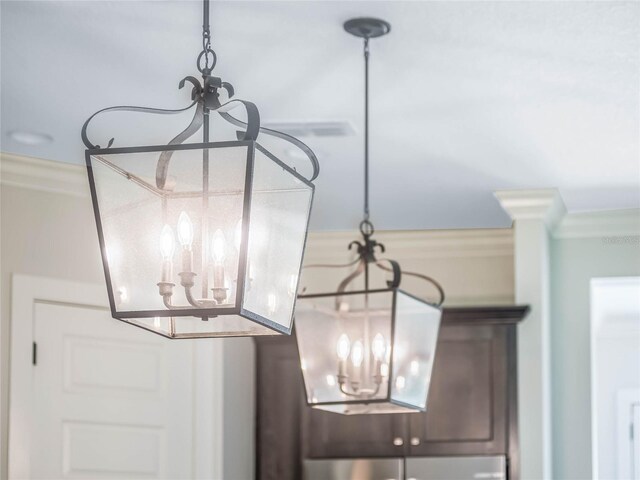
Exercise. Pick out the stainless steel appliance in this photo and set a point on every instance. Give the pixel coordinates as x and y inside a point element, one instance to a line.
<point>355,469</point>
<point>456,468</point>
<point>415,468</point>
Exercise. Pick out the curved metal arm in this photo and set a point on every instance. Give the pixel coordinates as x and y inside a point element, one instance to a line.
<point>423,277</point>
<point>132,108</point>
<point>350,278</point>
<point>283,136</point>
<point>166,299</point>
<point>395,268</point>
<point>322,265</point>
<point>162,168</point>
<point>370,394</point>
<point>252,125</point>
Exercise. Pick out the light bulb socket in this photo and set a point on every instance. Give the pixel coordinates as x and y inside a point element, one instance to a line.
<point>187,279</point>
<point>219,294</point>
<point>166,288</point>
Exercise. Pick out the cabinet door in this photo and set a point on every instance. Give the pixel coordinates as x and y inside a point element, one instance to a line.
<point>467,404</point>
<point>329,435</point>
<point>279,410</point>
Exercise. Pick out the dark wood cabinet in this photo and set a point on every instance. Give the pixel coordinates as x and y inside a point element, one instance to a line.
<point>471,408</point>
<point>279,408</point>
<point>467,398</point>
<point>330,435</point>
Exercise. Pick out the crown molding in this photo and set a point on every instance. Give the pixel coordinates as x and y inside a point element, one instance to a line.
<point>43,175</point>
<point>611,223</point>
<point>546,204</point>
<point>414,244</point>
<point>539,204</point>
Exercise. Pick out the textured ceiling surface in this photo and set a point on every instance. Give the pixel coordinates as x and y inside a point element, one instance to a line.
<point>467,97</point>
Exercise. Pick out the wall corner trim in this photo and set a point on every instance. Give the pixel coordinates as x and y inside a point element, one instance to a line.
<point>44,175</point>
<point>537,204</point>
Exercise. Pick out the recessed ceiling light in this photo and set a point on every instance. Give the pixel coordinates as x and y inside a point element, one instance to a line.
<point>27,137</point>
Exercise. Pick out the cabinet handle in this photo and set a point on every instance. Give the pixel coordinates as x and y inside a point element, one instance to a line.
<point>415,441</point>
<point>398,442</point>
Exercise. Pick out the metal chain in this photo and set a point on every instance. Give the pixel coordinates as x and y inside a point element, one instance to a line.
<point>206,43</point>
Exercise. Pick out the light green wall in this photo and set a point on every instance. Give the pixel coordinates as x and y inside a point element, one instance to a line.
<point>574,262</point>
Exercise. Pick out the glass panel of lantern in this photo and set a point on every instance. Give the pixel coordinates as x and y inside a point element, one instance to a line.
<point>367,352</point>
<point>216,252</point>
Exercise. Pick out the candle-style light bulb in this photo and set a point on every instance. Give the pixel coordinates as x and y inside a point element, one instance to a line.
<point>167,243</point>
<point>218,247</point>
<point>185,230</point>
<point>357,354</point>
<point>343,347</point>
<point>218,254</point>
<point>378,346</point>
<point>167,248</point>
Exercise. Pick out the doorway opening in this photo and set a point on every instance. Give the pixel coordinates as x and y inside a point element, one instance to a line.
<point>615,377</point>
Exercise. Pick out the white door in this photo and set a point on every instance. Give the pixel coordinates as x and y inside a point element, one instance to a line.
<point>110,400</point>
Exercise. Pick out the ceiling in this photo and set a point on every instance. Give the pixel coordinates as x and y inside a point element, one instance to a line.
<point>467,97</point>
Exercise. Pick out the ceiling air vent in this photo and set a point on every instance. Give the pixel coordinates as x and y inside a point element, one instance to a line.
<point>313,129</point>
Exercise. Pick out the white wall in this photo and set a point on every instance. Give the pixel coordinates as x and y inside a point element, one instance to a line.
<point>582,254</point>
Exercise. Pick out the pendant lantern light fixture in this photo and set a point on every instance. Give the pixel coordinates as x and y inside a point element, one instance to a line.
<point>201,239</point>
<point>371,350</point>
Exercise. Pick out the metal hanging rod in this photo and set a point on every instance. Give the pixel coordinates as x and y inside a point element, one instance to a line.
<point>366,28</point>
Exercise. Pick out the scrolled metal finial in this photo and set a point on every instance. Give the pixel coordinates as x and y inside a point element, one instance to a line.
<point>367,248</point>
<point>196,91</point>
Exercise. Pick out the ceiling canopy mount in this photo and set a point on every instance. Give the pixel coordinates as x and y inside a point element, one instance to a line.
<point>367,27</point>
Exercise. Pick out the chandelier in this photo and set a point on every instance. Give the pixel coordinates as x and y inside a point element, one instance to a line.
<point>201,239</point>
<point>370,350</point>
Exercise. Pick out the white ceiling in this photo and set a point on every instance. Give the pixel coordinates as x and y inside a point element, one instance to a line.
<point>467,97</point>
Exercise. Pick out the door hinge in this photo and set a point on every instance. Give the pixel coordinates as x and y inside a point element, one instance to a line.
<point>34,353</point>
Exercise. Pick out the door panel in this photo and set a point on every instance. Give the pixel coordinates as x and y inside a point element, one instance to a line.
<point>467,400</point>
<point>110,400</point>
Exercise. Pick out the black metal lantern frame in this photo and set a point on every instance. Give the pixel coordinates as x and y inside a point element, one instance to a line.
<point>388,368</point>
<point>135,184</point>
<point>319,314</point>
